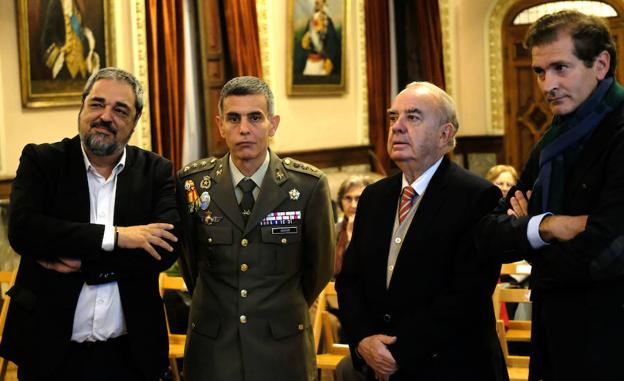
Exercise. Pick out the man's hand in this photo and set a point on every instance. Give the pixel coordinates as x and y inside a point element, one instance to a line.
<point>62,265</point>
<point>374,351</point>
<point>146,237</point>
<point>562,228</point>
<point>519,204</point>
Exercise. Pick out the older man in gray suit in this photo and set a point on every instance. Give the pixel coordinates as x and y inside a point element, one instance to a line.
<point>258,249</point>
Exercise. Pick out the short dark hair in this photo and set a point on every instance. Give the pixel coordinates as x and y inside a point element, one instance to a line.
<point>247,85</point>
<point>118,75</point>
<point>590,35</point>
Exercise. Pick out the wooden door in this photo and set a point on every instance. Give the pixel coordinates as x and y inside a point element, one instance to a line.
<point>527,115</point>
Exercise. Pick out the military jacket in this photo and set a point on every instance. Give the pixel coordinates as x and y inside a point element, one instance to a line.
<point>252,283</point>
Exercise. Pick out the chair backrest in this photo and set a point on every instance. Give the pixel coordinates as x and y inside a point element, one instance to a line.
<point>517,268</point>
<point>320,307</point>
<point>509,295</point>
<point>6,278</point>
<point>167,282</point>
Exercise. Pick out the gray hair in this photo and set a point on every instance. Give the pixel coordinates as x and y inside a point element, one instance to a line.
<point>446,105</point>
<point>117,75</point>
<point>247,86</point>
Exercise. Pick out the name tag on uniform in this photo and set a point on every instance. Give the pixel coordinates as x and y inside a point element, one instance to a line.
<point>284,230</point>
<point>281,218</point>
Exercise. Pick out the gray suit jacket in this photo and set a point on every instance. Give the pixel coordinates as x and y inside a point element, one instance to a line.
<point>252,284</point>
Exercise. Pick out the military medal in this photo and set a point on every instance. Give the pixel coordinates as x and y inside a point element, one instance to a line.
<point>209,219</point>
<point>205,183</point>
<point>294,194</point>
<point>204,200</point>
<point>191,195</point>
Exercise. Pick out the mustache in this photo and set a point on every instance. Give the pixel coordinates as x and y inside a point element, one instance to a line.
<point>108,126</point>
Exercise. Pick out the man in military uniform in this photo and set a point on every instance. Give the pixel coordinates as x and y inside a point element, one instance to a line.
<point>258,249</point>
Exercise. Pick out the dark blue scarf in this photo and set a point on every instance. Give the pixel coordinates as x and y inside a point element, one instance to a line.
<point>566,133</point>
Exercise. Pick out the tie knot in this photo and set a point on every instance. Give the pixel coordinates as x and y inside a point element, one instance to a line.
<point>408,193</point>
<point>246,185</point>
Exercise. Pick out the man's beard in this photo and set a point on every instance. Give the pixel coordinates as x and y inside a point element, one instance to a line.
<point>100,144</point>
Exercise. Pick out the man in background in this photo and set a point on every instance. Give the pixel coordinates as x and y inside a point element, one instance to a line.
<point>412,280</point>
<point>92,219</point>
<point>258,249</point>
<point>571,229</point>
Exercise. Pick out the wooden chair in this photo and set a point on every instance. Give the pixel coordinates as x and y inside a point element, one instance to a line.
<point>517,268</point>
<point>517,366</point>
<point>177,342</point>
<point>6,278</point>
<point>518,330</point>
<point>322,327</point>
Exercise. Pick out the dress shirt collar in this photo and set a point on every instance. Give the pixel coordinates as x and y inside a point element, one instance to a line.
<point>421,183</point>
<point>118,167</point>
<point>257,177</point>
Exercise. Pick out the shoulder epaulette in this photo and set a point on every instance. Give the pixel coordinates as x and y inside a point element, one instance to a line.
<point>299,166</point>
<point>198,166</point>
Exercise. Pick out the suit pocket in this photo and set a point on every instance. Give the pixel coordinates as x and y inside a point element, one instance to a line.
<point>208,327</point>
<point>286,243</point>
<point>288,324</point>
<point>23,297</point>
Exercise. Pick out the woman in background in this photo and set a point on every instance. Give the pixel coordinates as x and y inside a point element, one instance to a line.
<point>348,197</point>
<point>503,176</point>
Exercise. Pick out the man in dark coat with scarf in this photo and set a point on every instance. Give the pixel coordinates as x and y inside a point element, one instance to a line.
<point>566,216</point>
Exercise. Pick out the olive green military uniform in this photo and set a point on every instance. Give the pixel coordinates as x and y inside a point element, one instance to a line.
<point>252,284</point>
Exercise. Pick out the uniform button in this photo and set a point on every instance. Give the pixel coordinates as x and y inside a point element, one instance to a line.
<point>391,268</point>
<point>284,241</point>
<point>244,293</point>
<point>397,240</point>
<point>244,242</point>
<point>287,161</point>
<point>244,267</point>
<point>243,319</point>
<point>300,327</point>
<point>193,325</point>
<point>209,240</point>
<point>387,318</point>
<point>434,355</point>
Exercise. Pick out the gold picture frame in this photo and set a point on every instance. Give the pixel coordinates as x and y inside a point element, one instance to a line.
<point>316,47</point>
<point>53,66</point>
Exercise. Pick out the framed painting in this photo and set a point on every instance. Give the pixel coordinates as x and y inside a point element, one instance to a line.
<point>316,47</point>
<point>61,43</point>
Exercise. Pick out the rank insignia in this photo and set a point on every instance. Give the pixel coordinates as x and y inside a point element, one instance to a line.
<point>191,195</point>
<point>279,174</point>
<point>294,194</point>
<point>205,183</point>
<point>220,170</point>
<point>209,219</point>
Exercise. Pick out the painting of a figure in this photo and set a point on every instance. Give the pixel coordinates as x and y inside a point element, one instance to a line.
<point>316,47</point>
<point>62,42</point>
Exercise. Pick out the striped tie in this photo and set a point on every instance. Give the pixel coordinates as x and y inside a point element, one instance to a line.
<point>407,200</point>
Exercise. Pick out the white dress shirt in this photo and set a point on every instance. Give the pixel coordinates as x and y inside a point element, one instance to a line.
<point>99,315</point>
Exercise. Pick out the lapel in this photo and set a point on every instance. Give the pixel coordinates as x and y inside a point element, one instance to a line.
<point>594,149</point>
<point>76,183</point>
<point>415,240</point>
<point>271,193</point>
<point>222,192</point>
<point>385,204</point>
<point>124,194</point>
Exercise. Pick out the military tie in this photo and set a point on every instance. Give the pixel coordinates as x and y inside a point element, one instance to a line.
<point>407,200</point>
<point>247,202</point>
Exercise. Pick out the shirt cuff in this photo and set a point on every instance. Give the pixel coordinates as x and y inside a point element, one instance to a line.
<point>108,242</point>
<point>533,235</point>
